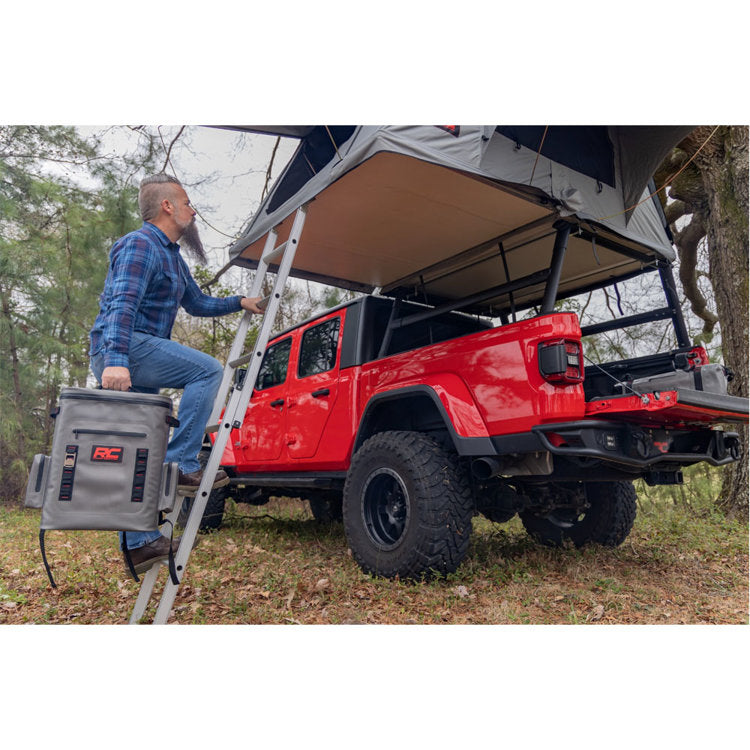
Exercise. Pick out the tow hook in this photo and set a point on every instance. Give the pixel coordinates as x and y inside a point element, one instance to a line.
<point>734,448</point>
<point>641,443</point>
<point>726,445</point>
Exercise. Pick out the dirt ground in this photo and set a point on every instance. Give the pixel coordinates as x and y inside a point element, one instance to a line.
<point>275,564</point>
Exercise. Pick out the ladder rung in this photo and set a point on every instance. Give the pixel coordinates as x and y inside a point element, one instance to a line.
<point>243,360</point>
<point>212,428</point>
<point>275,254</point>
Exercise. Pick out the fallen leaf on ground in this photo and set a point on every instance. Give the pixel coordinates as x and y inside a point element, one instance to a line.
<point>596,614</point>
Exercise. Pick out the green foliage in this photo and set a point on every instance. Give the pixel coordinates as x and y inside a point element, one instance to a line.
<point>55,237</point>
<point>62,206</point>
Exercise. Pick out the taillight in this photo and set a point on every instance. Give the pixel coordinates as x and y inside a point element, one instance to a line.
<point>561,361</point>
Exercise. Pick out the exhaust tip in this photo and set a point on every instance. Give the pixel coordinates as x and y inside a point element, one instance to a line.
<point>485,468</point>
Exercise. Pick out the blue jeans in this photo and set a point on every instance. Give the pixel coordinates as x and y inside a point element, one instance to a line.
<point>162,363</point>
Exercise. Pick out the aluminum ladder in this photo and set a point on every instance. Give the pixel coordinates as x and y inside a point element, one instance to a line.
<point>283,256</point>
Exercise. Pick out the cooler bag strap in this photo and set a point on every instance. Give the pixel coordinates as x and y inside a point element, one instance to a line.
<point>44,559</point>
<point>172,568</point>
<point>128,559</point>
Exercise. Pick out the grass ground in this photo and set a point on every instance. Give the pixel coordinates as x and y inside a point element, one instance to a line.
<point>683,563</point>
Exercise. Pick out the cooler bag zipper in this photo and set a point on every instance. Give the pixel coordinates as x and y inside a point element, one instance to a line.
<point>80,431</point>
<point>97,397</point>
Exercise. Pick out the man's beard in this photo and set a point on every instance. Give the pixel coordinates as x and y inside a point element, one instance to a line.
<point>191,241</point>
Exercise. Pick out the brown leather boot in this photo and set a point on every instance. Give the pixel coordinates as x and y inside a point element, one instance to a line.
<point>187,484</point>
<point>149,555</point>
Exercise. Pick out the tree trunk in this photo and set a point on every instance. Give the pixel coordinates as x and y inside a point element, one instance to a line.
<point>723,164</point>
<point>12,482</point>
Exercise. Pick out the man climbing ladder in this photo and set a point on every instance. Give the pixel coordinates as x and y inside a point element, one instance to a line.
<point>131,348</point>
<point>236,401</point>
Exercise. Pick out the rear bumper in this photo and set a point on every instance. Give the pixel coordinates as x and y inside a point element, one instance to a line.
<point>637,447</point>
<point>620,445</point>
<point>598,450</point>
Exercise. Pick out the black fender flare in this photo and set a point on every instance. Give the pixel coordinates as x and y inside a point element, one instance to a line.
<point>465,446</point>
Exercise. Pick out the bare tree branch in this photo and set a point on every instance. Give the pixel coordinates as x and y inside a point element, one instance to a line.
<point>168,150</point>
<point>687,242</point>
<point>270,168</point>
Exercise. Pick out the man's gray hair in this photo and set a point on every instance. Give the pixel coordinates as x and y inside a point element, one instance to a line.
<point>153,191</point>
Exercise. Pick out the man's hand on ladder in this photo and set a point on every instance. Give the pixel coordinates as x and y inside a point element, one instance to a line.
<point>252,304</point>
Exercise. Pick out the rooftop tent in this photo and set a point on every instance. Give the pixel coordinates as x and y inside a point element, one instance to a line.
<point>445,212</point>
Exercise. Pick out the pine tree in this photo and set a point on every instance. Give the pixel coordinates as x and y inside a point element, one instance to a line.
<point>54,242</point>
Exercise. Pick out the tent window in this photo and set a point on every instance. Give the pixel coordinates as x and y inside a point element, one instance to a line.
<point>314,152</point>
<point>587,149</point>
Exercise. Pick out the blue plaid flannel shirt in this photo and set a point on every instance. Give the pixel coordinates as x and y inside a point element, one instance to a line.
<point>147,282</point>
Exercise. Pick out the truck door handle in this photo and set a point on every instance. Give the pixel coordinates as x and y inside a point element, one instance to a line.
<point>278,402</point>
<point>321,392</point>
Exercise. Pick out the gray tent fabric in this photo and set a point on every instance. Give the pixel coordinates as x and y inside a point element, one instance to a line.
<point>594,175</point>
<point>641,149</point>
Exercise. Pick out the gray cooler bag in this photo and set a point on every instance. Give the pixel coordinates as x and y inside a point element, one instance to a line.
<point>709,378</point>
<point>106,469</point>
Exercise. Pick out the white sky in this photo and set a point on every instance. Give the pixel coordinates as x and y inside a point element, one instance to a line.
<point>231,165</point>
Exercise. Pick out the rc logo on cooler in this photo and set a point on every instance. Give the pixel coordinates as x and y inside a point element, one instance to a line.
<point>107,453</point>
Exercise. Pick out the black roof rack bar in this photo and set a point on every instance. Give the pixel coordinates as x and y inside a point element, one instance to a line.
<point>523,306</point>
<point>539,277</point>
<point>477,254</point>
<point>673,300</point>
<point>663,313</point>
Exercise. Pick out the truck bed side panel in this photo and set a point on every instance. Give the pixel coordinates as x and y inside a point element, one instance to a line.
<point>499,369</point>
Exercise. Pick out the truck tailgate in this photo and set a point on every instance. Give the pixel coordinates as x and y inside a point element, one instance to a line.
<point>678,407</point>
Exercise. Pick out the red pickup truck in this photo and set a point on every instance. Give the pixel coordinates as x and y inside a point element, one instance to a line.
<point>406,420</point>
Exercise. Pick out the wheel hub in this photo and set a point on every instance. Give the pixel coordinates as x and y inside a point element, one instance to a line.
<point>385,508</point>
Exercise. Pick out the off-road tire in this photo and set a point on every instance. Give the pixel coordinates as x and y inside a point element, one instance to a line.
<point>407,507</point>
<point>327,507</point>
<point>213,515</point>
<point>607,521</point>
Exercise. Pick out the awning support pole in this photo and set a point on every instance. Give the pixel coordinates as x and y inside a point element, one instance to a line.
<point>556,266</point>
<point>507,279</point>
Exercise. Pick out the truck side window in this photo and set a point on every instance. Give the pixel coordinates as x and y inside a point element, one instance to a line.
<point>274,366</point>
<point>426,332</point>
<point>318,349</point>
